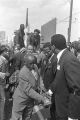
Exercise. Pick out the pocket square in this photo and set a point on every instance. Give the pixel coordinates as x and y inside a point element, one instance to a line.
<point>72,119</point>
<point>58,67</point>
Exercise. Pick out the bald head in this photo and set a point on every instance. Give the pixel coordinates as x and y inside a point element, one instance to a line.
<point>30,60</point>
<point>30,48</point>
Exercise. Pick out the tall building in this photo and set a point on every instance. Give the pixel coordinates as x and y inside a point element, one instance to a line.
<point>47,30</point>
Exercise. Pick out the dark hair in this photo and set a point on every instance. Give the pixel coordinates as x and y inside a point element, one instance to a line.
<point>36,30</point>
<point>58,41</point>
<point>3,48</point>
<point>74,45</point>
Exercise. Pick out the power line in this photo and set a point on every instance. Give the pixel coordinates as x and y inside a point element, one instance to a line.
<point>68,21</point>
<point>75,21</point>
<point>67,17</point>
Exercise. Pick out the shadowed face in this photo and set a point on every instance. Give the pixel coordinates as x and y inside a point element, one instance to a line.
<point>29,61</point>
<point>30,66</point>
<point>36,33</point>
<point>22,27</point>
<point>30,49</point>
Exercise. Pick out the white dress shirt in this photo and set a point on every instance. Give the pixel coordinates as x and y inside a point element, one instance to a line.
<point>58,57</point>
<point>60,54</point>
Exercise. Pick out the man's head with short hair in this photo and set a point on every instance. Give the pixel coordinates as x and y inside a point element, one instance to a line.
<point>30,48</point>
<point>21,26</point>
<point>37,30</point>
<point>3,49</point>
<point>29,61</point>
<point>58,41</point>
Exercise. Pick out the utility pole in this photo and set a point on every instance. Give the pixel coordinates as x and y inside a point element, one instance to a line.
<point>26,29</point>
<point>27,18</point>
<point>70,21</point>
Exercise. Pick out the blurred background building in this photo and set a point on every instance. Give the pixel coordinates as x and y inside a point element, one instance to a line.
<point>47,30</point>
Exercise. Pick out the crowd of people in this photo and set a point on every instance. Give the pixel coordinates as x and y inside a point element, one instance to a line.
<point>27,72</point>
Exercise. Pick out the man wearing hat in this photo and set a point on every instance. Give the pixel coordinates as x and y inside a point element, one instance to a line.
<point>66,86</point>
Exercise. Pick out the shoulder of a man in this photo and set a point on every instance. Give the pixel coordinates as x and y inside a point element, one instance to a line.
<point>23,72</point>
<point>69,56</point>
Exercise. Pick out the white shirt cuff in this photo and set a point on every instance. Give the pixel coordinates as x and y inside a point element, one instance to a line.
<point>50,92</point>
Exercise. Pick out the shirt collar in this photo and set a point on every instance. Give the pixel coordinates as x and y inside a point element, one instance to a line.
<point>59,54</point>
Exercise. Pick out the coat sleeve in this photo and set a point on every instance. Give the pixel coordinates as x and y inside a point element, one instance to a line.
<point>29,90</point>
<point>35,95</point>
<point>72,74</point>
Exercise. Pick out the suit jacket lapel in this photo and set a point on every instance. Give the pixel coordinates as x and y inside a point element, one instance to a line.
<point>31,76</point>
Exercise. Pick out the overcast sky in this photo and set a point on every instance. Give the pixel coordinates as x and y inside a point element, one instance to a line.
<point>13,13</point>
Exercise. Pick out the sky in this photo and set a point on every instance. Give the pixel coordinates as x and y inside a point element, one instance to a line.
<point>13,13</point>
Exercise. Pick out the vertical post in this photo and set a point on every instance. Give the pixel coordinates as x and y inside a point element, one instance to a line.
<point>70,21</point>
<point>26,29</point>
<point>27,18</point>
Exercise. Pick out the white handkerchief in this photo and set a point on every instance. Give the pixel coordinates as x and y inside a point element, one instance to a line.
<point>71,119</point>
<point>50,92</point>
<point>58,67</point>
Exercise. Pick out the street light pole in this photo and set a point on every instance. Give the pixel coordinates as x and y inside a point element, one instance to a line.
<point>70,21</point>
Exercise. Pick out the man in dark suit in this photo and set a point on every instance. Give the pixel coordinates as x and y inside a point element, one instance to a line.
<point>66,86</point>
